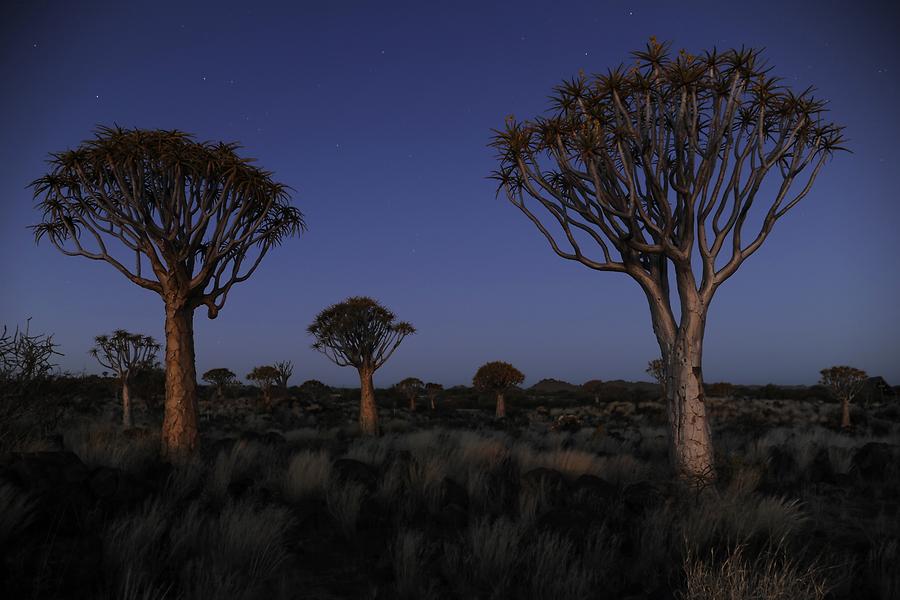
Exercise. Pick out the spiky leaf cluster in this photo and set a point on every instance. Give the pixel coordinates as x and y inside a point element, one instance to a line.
<point>25,357</point>
<point>358,332</point>
<point>220,377</point>
<point>189,216</point>
<point>265,376</point>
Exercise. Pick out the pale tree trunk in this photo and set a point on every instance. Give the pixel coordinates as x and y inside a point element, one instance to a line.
<point>433,402</point>
<point>127,421</point>
<point>368,411</point>
<point>501,407</point>
<point>845,413</point>
<point>690,442</point>
<point>180,437</point>
<point>412,404</point>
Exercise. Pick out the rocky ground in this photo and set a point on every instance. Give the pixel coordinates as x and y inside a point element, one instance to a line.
<point>567,498</point>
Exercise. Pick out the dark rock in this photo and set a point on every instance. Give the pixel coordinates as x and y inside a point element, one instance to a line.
<point>543,477</point>
<point>273,438</point>
<point>239,487</point>
<point>452,517</point>
<point>594,488</point>
<point>820,470</point>
<point>574,523</point>
<point>104,482</point>
<point>782,466</point>
<point>350,470</point>
<point>137,433</point>
<point>453,493</point>
<point>871,461</point>
<point>641,495</point>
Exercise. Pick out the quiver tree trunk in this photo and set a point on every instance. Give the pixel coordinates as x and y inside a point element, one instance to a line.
<point>691,446</point>
<point>127,420</point>
<point>368,410</point>
<point>179,435</point>
<point>412,403</point>
<point>501,406</point>
<point>845,413</point>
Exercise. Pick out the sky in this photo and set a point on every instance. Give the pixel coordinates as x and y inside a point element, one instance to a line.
<point>378,115</point>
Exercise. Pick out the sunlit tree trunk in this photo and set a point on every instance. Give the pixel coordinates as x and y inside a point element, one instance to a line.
<point>501,406</point>
<point>845,413</point>
<point>368,411</point>
<point>179,436</point>
<point>412,403</point>
<point>127,420</point>
<point>690,448</point>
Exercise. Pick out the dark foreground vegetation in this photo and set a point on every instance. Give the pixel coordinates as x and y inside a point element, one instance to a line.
<point>571,496</point>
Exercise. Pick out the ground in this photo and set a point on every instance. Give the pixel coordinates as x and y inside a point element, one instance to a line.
<point>567,498</point>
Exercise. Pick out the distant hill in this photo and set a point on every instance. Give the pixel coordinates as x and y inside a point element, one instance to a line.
<point>550,386</point>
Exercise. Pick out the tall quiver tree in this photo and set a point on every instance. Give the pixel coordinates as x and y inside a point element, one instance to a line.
<point>361,333</point>
<point>497,378</point>
<point>844,383</point>
<point>651,171</point>
<point>125,354</point>
<point>185,219</point>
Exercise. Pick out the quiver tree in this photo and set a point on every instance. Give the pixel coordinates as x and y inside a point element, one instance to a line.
<point>314,390</point>
<point>361,333</point>
<point>593,387</point>
<point>265,377</point>
<point>497,378</point>
<point>433,391</point>
<point>844,383</point>
<point>285,369</point>
<point>657,171</point>
<point>125,354</point>
<point>185,219</point>
<point>220,378</point>
<point>410,388</point>
<point>656,369</point>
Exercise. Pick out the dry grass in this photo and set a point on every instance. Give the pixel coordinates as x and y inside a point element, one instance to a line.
<point>106,446</point>
<point>16,512</point>
<point>771,576</point>
<point>307,474</point>
<point>344,500</point>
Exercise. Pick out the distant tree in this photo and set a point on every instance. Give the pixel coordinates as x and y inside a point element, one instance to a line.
<point>362,333</point>
<point>721,389</point>
<point>844,383</point>
<point>497,378</point>
<point>314,390</point>
<point>221,378</point>
<point>410,388</point>
<point>652,170</point>
<point>285,370</point>
<point>150,385</point>
<point>191,218</point>
<point>656,369</point>
<point>125,354</point>
<point>433,391</point>
<point>593,387</point>
<point>265,377</point>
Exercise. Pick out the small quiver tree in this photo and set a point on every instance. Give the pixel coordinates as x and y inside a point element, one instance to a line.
<point>410,388</point>
<point>656,369</point>
<point>361,333</point>
<point>314,390</point>
<point>593,387</point>
<point>125,354</point>
<point>433,392</point>
<point>220,378</point>
<point>187,220</point>
<point>844,383</point>
<point>497,378</point>
<point>265,377</point>
<point>285,369</point>
<point>673,170</point>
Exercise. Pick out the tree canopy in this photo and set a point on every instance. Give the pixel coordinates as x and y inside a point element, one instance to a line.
<point>497,376</point>
<point>187,215</point>
<point>359,332</point>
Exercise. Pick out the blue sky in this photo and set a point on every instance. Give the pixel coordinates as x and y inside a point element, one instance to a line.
<point>379,115</point>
